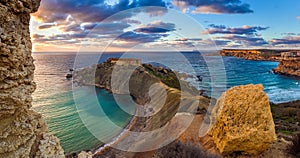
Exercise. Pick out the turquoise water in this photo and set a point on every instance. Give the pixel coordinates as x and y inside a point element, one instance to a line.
<point>53,97</point>
<point>63,119</point>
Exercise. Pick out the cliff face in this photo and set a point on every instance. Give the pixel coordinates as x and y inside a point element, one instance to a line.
<point>290,64</point>
<point>289,59</point>
<point>155,89</point>
<point>23,133</point>
<point>270,55</point>
<point>141,79</point>
<point>147,85</point>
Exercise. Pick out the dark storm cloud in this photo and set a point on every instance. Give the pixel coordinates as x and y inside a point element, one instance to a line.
<point>214,6</point>
<point>157,27</point>
<point>245,30</point>
<point>90,10</point>
<point>140,37</point>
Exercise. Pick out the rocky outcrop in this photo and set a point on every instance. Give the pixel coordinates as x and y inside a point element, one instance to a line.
<point>243,121</point>
<point>156,91</point>
<point>138,78</point>
<point>147,85</point>
<point>253,54</point>
<point>23,133</point>
<point>289,59</point>
<point>290,64</point>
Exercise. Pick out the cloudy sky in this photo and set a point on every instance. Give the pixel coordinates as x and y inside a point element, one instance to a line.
<point>118,25</point>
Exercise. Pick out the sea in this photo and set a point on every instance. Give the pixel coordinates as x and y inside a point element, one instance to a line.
<point>54,96</point>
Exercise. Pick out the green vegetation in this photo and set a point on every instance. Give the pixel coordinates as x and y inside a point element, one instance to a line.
<point>181,150</point>
<point>286,117</point>
<point>170,78</point>
<point>167,76</point>
<point>284,132</point>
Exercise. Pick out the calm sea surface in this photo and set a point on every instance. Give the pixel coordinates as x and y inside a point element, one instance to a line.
<point>54,97</point>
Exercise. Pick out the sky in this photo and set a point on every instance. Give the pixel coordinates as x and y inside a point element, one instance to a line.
<point>150,25</point>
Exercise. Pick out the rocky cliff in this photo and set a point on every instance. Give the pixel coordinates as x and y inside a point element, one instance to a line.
<point>157,90</point>
<point>243,121</point>
<point>139,79</point>
<point>290,64</point>
<point>289,59</point>
<point>147,85</point>
<point>23,132</point>
<point>253,54</point>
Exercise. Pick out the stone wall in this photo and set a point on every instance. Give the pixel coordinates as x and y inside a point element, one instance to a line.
<point>23,132</point>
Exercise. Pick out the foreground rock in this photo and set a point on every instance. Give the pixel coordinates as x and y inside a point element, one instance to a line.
<point>290,64</point>
<point>243,121</point>
<point>23,132</point>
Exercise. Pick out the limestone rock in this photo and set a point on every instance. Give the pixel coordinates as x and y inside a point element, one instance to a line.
<point>290,64</point>
<point>243,121</point>
<point>84,154</point>
<point>23,132</point>
<point>49,147</point>
<point>289,67</point>
<point>253,54</point>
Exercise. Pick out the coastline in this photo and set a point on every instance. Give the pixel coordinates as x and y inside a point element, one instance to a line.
<point>289,60</point>
<point>106,146</point>
<point>100,149</point>
<point>134,123</point>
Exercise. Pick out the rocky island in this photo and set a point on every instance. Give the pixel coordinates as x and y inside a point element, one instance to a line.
<point>289,60</point>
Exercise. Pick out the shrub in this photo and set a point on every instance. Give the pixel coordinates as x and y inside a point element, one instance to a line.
<point>290,112</point>
<point>294,147</point>
<point>180,150</point>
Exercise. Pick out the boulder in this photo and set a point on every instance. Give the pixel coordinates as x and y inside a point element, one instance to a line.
<point>242,121</point>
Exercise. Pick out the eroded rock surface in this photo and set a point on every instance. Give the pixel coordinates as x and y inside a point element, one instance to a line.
<point>290,64</point>
<point>244,122</point>
<point>23,132</point>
